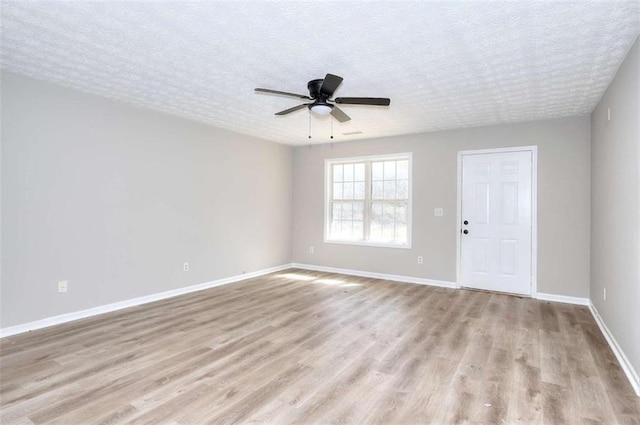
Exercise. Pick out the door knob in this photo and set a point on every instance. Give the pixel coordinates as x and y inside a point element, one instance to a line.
<point>465,231</point>
<point>466,222</point>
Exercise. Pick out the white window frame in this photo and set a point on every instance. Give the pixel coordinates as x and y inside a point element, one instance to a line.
<point>328,187</point>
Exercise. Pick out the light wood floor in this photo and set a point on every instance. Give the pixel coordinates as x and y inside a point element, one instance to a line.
<point>306,347</point>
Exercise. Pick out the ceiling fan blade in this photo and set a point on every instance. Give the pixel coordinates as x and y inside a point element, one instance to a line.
<point>377,101</point>
<point>283,93</point>
<point>339,115</point>
<point>295,108</point>
<point>330,84</point>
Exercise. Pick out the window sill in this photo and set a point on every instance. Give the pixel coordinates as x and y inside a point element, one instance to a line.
<point>369,244</point>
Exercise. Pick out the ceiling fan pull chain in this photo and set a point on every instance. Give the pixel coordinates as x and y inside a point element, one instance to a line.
<point>331,118</point>
<point>309,125</point>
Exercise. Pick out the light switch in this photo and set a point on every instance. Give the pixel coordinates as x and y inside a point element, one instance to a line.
<point>438,212</point>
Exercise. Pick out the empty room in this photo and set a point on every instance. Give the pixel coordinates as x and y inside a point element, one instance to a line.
<point>320,212</point>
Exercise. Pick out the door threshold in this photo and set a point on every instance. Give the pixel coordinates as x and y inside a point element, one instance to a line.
<point>512,294</point>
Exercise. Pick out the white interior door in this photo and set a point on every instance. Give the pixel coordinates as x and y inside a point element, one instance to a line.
<point>496,215</point>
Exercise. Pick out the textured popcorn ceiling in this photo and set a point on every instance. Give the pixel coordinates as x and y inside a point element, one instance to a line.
<point>444,65</point>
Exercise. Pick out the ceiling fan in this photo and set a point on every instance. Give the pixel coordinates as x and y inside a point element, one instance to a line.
<point>320,93</point>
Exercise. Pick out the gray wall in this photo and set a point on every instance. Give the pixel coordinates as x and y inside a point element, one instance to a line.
<point>114,199</point>
<point>563,202</point>
<point>615,208</point>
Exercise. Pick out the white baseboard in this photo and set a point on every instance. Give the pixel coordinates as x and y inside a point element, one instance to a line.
<point>394,277</point>
<point>628,369</point>
<point>562,299</point>
<point>69,317</point>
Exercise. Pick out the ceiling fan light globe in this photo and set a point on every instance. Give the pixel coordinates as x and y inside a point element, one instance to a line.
<point>321,109</point>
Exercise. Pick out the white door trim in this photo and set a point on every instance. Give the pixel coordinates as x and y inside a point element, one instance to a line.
<point>534,210</point>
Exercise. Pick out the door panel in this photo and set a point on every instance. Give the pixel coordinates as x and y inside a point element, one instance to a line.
<point>481,255</point>
<point>509,201</point>
<point>508,249</point>
<point>481,210</point>
<point>496,201</point>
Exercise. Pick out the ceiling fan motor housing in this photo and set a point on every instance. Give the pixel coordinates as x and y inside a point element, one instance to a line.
<point>320,105</point>
<point>314,88</point>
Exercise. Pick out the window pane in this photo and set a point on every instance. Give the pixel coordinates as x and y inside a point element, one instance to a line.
<point>376,190</point>
<point>359,172</point>
<point>337,191</point>
<point>388,213</point>
<point>337,173</point>
<point>358,213</point>
<point>335,229</point>
<point>358,230</point>
<point>336,213</point>
<point>376,211</point>
<point>347,229</point>
<point>401,214</point>
<point>389,170</point>
<point>401,234</point>
<point>348,172</point>
<point>389,189</point>
<point>375,233</point>
<point>403,170</point>
<point>358,190</point>
<point>402,189</point>
<point>376,171</point>
<point>387,232</point>
<point>343,229</point>
<point>347,211</point>
<point>347,191</point>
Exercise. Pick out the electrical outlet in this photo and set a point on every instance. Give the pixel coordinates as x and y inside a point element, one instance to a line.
<point>420,259</point>
<point>185,267</point>
<point>608,114</point>
<point>438,212</point>
<point>63,286</point>
<point>311,250</point>
<point>604,294</point>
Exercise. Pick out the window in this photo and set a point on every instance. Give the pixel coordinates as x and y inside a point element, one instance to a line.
<point>368,200</point>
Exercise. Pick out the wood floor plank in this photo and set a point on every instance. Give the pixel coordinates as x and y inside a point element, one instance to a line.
<point>300,346</point>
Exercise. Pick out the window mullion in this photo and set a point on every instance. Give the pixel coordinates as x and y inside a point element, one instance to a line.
<point>367,200</point>
<point>329,218</point>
